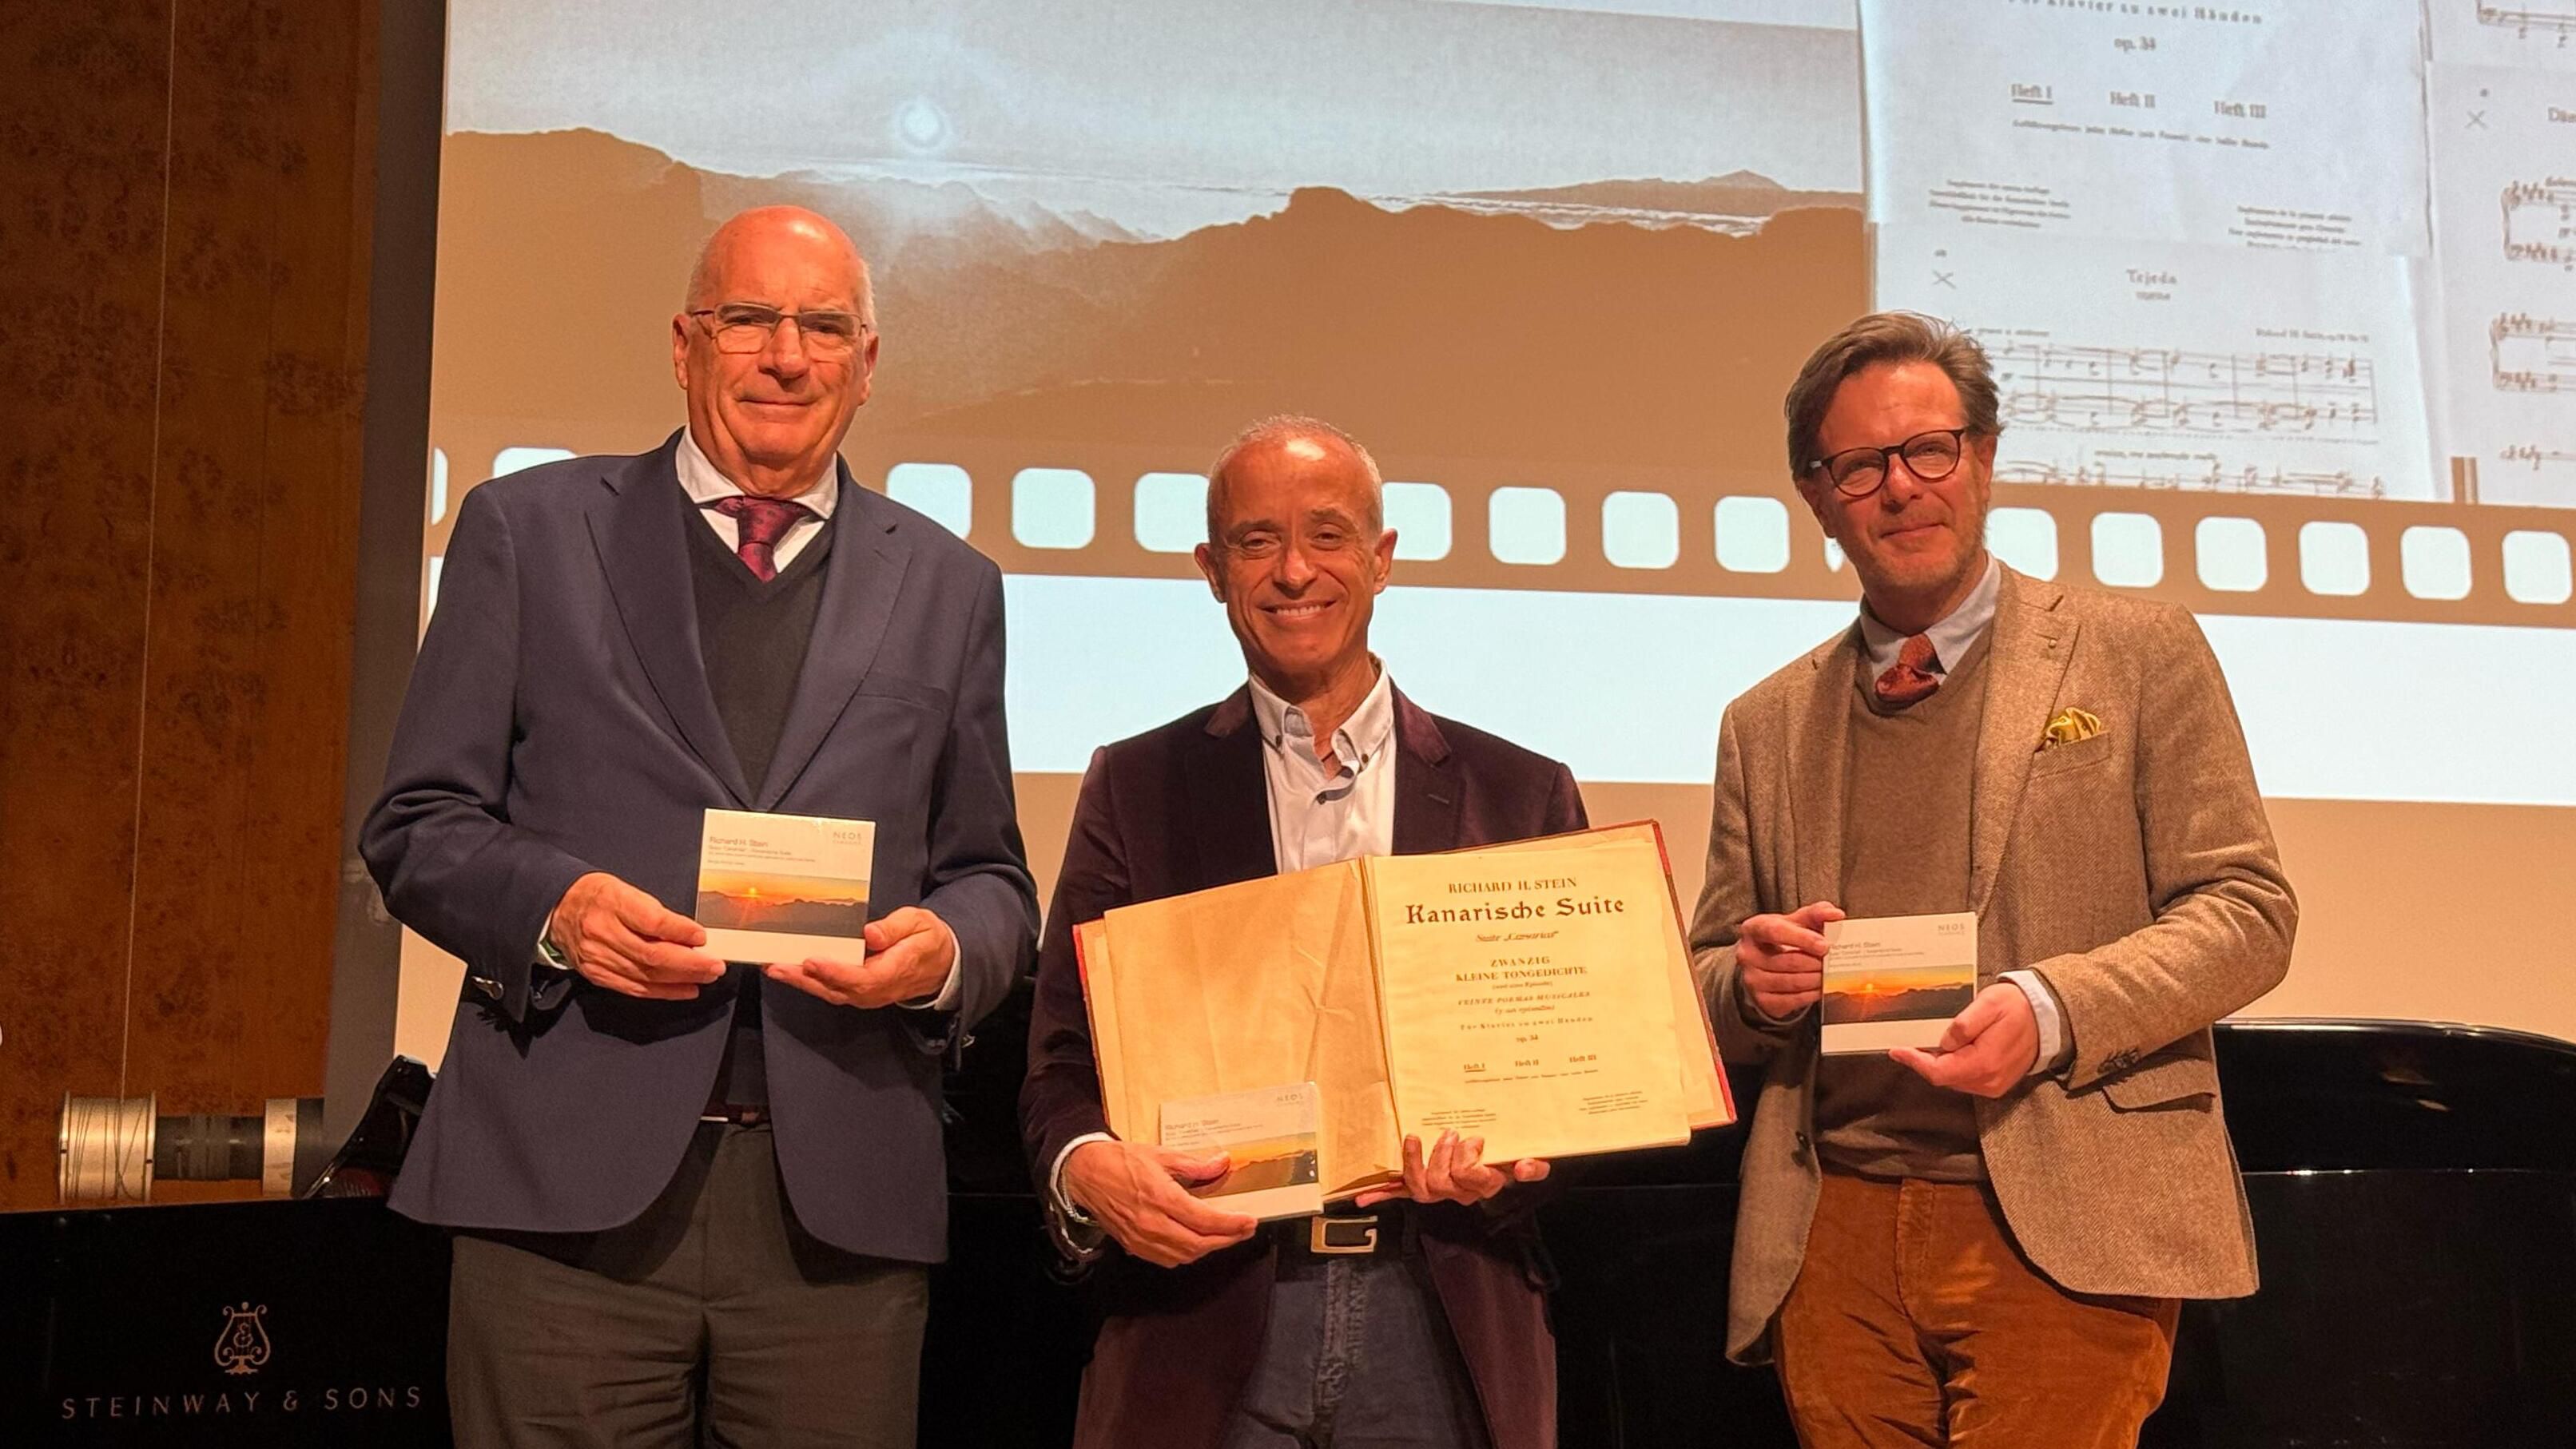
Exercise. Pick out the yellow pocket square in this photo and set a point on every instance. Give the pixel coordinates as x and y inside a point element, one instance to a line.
<point>2068,726</point>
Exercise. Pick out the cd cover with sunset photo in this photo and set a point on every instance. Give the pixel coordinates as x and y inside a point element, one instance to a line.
<point>783,887</point>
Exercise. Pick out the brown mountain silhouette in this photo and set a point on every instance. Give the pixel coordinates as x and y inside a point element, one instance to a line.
<point>1924,1003</point>
<point>1431,332</point>
<point>768,913</point>
<point>1437,332</point>
<point>1736,194</point>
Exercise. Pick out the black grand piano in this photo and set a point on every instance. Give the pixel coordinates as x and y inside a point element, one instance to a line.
<point>2413,1187</point>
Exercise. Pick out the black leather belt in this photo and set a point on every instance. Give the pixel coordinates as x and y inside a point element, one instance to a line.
<point>1385,1231</point>
<point>735,1114</point>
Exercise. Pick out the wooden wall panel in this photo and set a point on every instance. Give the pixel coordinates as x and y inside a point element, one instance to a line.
<point>255,528</point>
<point>80,247</point>
<point>190,189</point>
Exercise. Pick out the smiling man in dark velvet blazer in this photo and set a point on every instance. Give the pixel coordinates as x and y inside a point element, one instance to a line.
<point>1420,1321</point>
<point>694,1197</point>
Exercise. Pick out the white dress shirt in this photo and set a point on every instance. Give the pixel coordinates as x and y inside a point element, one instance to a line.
<point>1323,808</point>
<point>700,479</point>
<point>705,485</point>
<point>1334,806</point>
<point>1952,638</point>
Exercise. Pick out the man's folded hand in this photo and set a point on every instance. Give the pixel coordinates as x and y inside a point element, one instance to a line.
<point>909,956</point>
<point>1988,1048</point>
<point>1780,960</point>
<point>621,939</point>
<point>1453,1171</point>
<point>1135,1192</point>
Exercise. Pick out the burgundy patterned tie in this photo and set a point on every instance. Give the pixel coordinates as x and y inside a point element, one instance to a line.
<point>1910,679</point>
<point>760,523</point>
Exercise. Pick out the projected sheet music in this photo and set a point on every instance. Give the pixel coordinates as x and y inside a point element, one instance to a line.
<point>2141,364</point>
<point>2504,203</point>
<point>2505,32</point>
<point>2540,221</point>
<point>2532,354</point>
<point>2261,123</point>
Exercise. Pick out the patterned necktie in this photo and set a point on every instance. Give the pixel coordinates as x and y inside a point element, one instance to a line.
<point>1910,679</point>
<point>760,523</point>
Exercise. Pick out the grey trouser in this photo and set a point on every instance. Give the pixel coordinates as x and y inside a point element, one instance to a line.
<point>712,1319</point>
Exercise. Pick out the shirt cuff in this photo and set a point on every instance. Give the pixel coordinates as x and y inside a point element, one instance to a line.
<point>950,989</point>
<point>946,1000</point>
<point>1064,1203</point>
<point>2048,1015</point>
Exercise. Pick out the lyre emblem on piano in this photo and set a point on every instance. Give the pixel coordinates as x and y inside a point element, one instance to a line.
<point>243,1345</point>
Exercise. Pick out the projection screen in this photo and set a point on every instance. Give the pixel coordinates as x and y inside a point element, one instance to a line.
<point>2281,293</point>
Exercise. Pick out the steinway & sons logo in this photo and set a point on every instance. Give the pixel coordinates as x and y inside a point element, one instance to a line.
<point>242,1349</point>
<point>243,1345</point>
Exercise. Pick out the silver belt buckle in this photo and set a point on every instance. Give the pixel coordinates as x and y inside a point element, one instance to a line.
<point>1319,1234</point>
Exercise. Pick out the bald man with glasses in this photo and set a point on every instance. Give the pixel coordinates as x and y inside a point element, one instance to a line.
<point>694,1200</point>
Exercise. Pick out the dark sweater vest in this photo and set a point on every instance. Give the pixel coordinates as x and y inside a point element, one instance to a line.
<point>752,638</point>
<point>1906,812</point>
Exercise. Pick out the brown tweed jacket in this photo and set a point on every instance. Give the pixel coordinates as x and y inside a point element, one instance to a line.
<point>2133,871</point>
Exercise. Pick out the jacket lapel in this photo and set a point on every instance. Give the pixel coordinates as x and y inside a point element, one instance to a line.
<point>2028,647</point>
<point>1226,800</point>
<point>644,554</point>
<point>1426,784</point>
<point>864,575</point>
<point>1819,744</point>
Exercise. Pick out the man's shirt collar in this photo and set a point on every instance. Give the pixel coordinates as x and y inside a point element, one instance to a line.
<point>1951,637</point>
<point>704,484</point>
<point>1360,739</point>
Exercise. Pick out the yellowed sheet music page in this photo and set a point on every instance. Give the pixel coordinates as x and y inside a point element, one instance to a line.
<point>1100,999</point>
<point>1704,1092</point>
<point>1526,998</point>
<point>1251,985</point>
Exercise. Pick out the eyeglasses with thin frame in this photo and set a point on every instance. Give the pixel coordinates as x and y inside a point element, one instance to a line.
<point>1860,472</point>
<point>742,327</point>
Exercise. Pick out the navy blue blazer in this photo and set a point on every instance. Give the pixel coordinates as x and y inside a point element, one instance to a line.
<point>559,722</point>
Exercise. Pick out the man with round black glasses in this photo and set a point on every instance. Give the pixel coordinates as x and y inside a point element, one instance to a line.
<point>1983,1242</point>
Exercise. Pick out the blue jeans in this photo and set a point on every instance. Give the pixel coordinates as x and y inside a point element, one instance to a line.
<point>1358,1355</point>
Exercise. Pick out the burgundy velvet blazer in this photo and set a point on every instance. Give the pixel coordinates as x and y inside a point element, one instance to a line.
<point>1183,808</point>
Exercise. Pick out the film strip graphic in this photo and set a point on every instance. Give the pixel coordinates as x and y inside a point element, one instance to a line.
<point>1106,510</point>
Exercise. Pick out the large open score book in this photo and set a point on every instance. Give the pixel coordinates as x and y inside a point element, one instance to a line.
<point>1537,995</point>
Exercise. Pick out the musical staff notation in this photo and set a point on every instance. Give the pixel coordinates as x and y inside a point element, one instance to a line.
<point>2540,221</point>
<point>2536,456</point>
<point>2178,392</point>
<point>2530,19</point>
<point>2532,354</point>
<point>2217,477</point>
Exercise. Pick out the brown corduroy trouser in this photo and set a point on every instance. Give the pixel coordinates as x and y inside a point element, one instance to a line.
<point>1915,1320</point>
